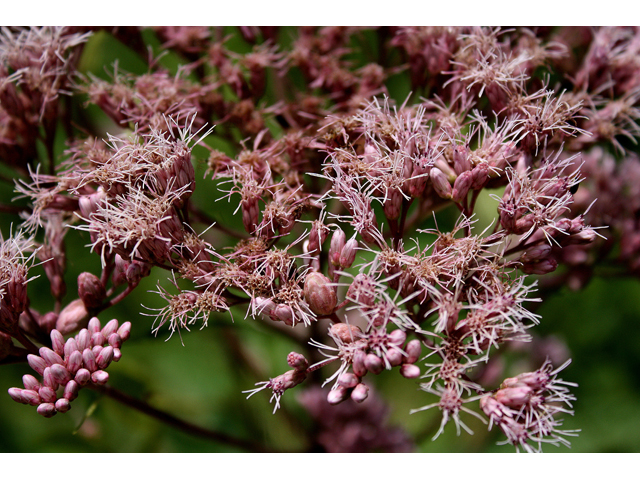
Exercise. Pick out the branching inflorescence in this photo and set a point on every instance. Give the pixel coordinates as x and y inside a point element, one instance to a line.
<point>360,214</point>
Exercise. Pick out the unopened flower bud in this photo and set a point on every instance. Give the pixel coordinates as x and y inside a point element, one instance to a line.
<point>373,363</point>
<point>57,342</point>
<point>89,360</point>
<point>345,332</point>
<point>73,317</point>
<point>31,383</point>
<point>358,365</point>
<point>91,290</point>
<point>348,254</point>
<point>360,393</point>
<point>514,397</point>
<point>115,340</point>
<point>480,176</point>
<point>397,337</point>
<point>338,241</point>
<point>98,339</point>
<point>94,326</point>
<point>136,271</point>
<point>105,357</point>
<point>117,354</point>
<point>348,380</point>
<point>74,362</point>
<point>319,294</point>
<point>461,187</point>
<point>49,356</point>
<point>461,162</point>
<point>16,395</point>
<point>124,331</point>
<point>37,363</point>
<point>110,327</point>
<point>60,374</point>
<point>47,394</point>
<point>83,339</point>
<point>71,390</point>
<point>394,356</point>
<point>284,313</point>
<point>413,349</point>
<point>409,370</point>
<point>337,395</point>
<point>82,376</point>
<point>100,377</point>
<point>62,405</point>
<point>583,237</point>
<point>47,410</point>
<point>48,379</point>
<point>535,253</point>
<point>297,361</point>
<point>440,183</point>
<point>542,267</point>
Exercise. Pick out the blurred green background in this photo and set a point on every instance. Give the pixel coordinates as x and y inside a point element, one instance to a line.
<point>202,381</point>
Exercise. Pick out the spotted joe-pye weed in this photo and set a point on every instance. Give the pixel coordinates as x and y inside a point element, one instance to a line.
<point>342,195</point>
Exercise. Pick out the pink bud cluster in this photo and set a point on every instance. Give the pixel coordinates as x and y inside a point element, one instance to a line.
<point>524,407</point>
<point>70,365</point>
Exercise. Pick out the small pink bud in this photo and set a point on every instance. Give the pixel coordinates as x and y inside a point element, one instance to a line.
<point>115,340</point>
<point>461,162</point>
<point>31,397</point>
<point>72,317</point>
<point>124,331</point>
<point>413,349</point>
<point>409,370</point>
<point>348,254</point>
<point>47,410</point>
<point>57,342</point>
<point>74,362</point>
<point>83,339</point>
<point>97,349</point>
<point>89,360</point>
<point>47,394</point>
<point>71,390</point>
<point>284,313</point>
<point>30,382</point>
<point>480,176</point>
<point>542,267</point>
<point>136,271</point>
<point>105,357</point>
<point>345,333</point>
<point>358,365</point>
<point>16,395</point>
<point>337,395</point>
<point>110,327</point>
<point>535,253</point>
<point>37,363</point>
<point>394,357</point>
<point>319,294</point>
<point>360,393</point>
<point>82,376</point>
<point>297,361</point>
<point>48,379</point>
<point>338,240</point>
<point>397,337</point>
<point>94,326</point>
<point>348,380</point>
<point>461,187</point>
<point>97,339</point>
<point>100,377</point>
<point>50,357</point>
<point>70,346</point>
<point>60,374</point>
<point>440,183</point>
<point>117,354</point>
<point>62,405</point>
<point>91,290</point>
<point>584,237</point>
<point>514,397</point>
<point>373,363</point>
